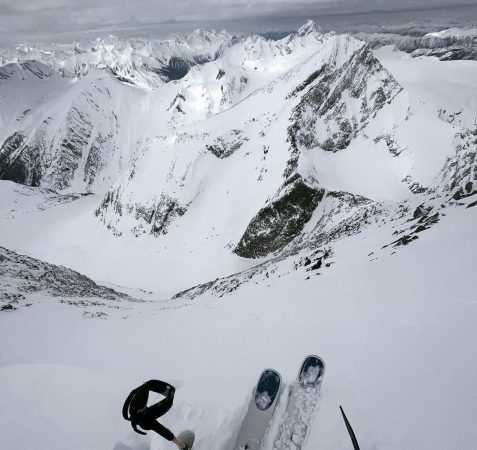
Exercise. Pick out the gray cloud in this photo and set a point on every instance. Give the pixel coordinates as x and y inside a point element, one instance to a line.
<point>30,20</point>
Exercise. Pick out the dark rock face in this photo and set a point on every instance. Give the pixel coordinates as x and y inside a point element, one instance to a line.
<point>78,132</point>
<point>178,68</point>
<point>422,219</point>
<point>20,160</point>
<point>315,261</point>
<point>459,174</point>
<point>318,73</point>
<point>281,220</point>
<point>391,143</point>
<point>404,240</point>
<point>166,210</point>
<point>95,160</point>
<point>6,71</point>
<point>416,187</point>
<point>154,220</point>
<point>323,117</point>
<point>226,145</point>
<point>24,70</point>
<point>421,211</point>
<point>38,69</point>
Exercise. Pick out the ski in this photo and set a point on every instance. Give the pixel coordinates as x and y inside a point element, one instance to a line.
<point>260,411</point>
<point>302,401</point>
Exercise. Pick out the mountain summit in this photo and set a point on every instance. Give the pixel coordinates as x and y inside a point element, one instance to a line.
<point>309,27</point>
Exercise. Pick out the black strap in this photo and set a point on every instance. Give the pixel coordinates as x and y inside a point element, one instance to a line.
<point>154,411</point>
<point>127,403</point>
<point>160,387</point>
<point>134,426</point>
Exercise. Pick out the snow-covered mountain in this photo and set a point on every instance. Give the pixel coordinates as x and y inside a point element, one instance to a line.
<point>320,183</point>
<point>252,144</point>
<point>450,44</point>
<point>146,63</point>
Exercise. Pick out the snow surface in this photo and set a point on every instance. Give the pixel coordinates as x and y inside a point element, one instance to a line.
<point>397,334</point>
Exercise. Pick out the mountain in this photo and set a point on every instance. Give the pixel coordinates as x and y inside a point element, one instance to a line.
<point>64,133</point>
<point>145,63</point>
<point>24,275</point>
<point>447,45</point>
<point>257,145</point>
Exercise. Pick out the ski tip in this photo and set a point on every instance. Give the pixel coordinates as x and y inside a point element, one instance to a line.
<point>311,371</point>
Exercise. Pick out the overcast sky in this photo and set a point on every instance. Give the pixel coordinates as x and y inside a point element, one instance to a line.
<point>57,20</point>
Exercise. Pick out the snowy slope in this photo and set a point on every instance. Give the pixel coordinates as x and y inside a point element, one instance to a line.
<point>305,195</point>
<point>272,135</point>
<point>397,336</point>
<point>22,274</point>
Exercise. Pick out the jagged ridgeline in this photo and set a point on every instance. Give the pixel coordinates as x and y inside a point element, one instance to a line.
<point>257,147</point>
<point>448,45</point>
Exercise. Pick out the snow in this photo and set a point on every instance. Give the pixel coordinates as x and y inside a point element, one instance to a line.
<point>311,375</point>
<point>51,405</point>
<point>139,61</point>
<point>397,336</point>
<point>454,33</point>
<point>365,168</point>
<point>263,400</point>
<point>395,326</point>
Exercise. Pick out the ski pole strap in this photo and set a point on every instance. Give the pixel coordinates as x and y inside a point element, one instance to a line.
<point>135,428</point>
<point>161,387</point>
<point>136,402</point>
<point>126,405</point>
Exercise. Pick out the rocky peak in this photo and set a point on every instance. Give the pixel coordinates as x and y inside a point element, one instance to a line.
<point>309,27</point>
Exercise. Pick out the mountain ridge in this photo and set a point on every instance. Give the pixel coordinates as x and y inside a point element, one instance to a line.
<point>247,155</point>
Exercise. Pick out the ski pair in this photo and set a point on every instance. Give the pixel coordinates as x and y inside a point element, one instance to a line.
<point>302,400</point>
